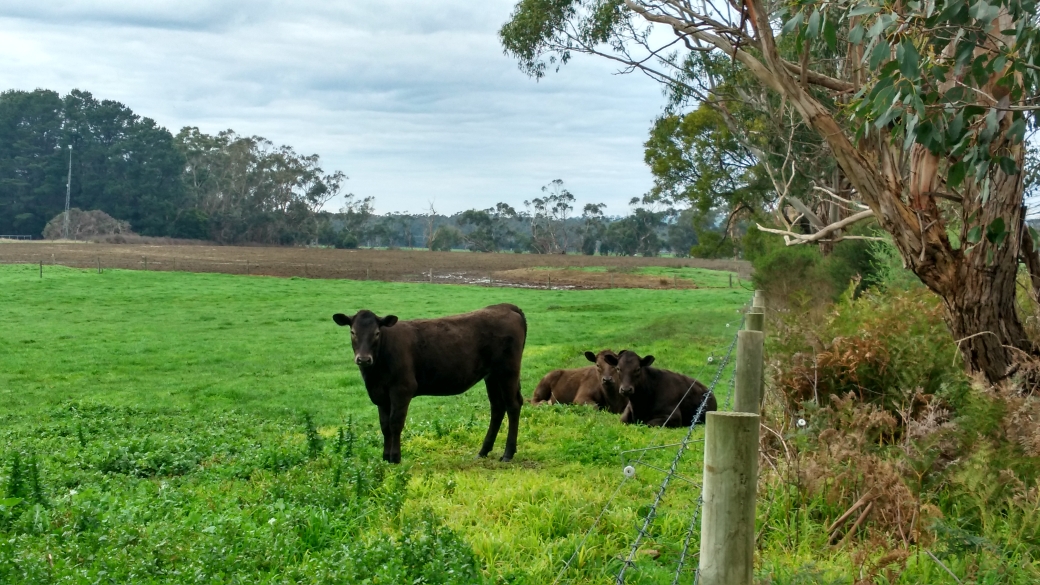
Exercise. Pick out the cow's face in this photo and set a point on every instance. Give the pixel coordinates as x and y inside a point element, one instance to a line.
<point>607,373</point>
<point>630,370</point>
<point>365,329</point>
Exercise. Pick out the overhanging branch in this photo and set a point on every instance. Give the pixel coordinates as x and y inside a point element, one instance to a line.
<point>797,238</point>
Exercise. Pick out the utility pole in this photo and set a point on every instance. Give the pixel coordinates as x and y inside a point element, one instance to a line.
<point>68,194</point>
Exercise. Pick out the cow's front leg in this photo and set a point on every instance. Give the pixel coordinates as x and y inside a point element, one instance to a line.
<point>384,425</point>
<point>628,417</point>
<point>398,413</point>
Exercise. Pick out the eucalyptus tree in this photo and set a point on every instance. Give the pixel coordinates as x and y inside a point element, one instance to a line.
<point>593,227</point>
<point>547,216</point>
<point>923,105</point>
<point>490,229</point>
<point>250,190</point>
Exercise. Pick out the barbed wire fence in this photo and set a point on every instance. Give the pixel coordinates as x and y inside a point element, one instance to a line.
<point>652,512</point>
<point>672,471</point>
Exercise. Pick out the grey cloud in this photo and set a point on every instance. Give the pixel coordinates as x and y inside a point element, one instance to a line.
<point>414,101</point>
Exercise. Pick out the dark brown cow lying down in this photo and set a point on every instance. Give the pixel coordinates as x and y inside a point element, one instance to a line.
<point>653,394</point>
<point>400,360</point>
<point>591,385</point>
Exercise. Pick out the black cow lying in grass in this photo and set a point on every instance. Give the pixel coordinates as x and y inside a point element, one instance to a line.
<point>659,397</point>
<point>591,385</point>
<point>400,360</point>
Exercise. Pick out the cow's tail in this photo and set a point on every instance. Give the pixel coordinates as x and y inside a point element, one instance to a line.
<point>523,343</point>
<point>523,318</point>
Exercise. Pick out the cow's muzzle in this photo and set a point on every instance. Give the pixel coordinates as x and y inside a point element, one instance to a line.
<point>627,390</point>
<point>363,360</point>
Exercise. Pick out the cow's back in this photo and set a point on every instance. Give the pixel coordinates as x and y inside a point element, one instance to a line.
<point>564,386</point>
<point>451,354</point>
<point>673,389</point>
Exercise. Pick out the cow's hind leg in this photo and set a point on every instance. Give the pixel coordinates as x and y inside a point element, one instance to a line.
<point>505,398</point>
<point>513,407</point>
<point>498,412</point>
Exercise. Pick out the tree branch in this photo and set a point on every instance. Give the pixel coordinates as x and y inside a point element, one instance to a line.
<point>827,230</point>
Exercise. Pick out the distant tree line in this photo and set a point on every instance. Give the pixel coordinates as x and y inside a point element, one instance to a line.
<point>231,188</point>
<point>546,225</point>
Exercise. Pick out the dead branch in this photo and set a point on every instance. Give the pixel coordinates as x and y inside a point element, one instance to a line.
<point>824,232</point>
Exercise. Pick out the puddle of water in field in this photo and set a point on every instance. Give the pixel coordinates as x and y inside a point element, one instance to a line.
<point>464,278</point>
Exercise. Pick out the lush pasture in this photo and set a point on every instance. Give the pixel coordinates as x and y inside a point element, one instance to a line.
<point>160,422</point>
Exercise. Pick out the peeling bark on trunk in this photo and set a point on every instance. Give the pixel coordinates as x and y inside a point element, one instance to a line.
<point>977,286</point>
<point>976,282</point>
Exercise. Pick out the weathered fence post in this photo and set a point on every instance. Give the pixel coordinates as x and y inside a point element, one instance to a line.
<point>431,274</point>
<point>731,280</point>
<point>759,300</point>
<point>755,319</point>
<point>41,268</point>
<point>730,485</point>
<point>99,264</point>
<point>748,389</point>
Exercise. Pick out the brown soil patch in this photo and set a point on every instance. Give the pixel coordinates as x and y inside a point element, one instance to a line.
<point>504,269</point>
<point>582,279</point>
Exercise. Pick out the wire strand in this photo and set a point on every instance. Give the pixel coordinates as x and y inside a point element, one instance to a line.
<point>652,513</point>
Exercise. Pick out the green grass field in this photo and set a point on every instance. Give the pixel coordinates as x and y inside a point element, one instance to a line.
<point>159,426</point>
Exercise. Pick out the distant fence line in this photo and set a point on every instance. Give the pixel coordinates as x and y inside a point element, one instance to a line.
<point>275,269</point>
<point>15,237</point>
<point>331,270</point>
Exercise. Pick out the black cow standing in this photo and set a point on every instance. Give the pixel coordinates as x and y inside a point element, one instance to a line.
<point>400,360</point>
<point>659,397</point>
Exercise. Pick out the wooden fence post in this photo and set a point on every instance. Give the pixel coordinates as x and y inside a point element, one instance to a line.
<point>747,393</point>
<point>730,486</point>
<point>99,264</point>
<point>41,268</point>
<point>731,280</point>
<point>760,299</point>
<point>755,319</point>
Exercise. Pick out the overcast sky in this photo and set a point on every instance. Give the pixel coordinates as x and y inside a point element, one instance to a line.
<point>414,101</point>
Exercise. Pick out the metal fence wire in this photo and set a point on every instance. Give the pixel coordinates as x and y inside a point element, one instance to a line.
<point>652,513</point>
<point>669,473</point>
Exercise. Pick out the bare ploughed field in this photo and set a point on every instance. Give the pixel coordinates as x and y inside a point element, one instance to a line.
<point>503,269</point>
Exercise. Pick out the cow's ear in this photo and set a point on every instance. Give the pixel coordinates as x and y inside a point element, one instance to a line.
<point>388,321</point>
<point>341,319</point>
<point>611,359</point>
<point>646,361</point>
<point>590,356</point>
